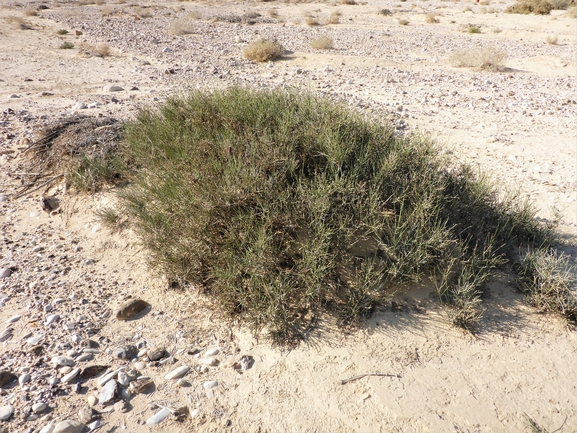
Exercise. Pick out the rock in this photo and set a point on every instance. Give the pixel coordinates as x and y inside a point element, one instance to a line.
<point>84,357</point>
<point>131,308</point>
<point>24,379</point>
<point>52,318</point>
<point>39,407</point>
<point>177,373</point>
<point>211,352</point>
<point>114,89</point>
<point>108,392</point>
<point>65,370</point>
<point>183,383</point>
<point>126,352</point>
<point>92,400</point>
<point>210,384</point>
<point>5,273</point>
<point>14,319</point>
<point>123,378</point>
<point>89,344</point>
<point>6,377</point>
<point>140,365</point>
<point>208,361</point>
<point>6,412</point>
<point>120,406</point>
<point>71,376</point>
<point>34,339</point>
<point>140,385</point>
<point>68,426</point>
<point>92,370</point>
<point>48,428</point>
<point>6,334</point>
<point>156,353</point>
<point>85,414</point>
<point>62,361</point>
<point>158,417</point>
<point>104,379</point>
<point>79,106</point>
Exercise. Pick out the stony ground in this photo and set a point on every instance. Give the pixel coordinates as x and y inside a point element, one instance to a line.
<point>68,285</point>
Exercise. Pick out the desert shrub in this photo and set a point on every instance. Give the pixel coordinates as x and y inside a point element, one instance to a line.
<point>89,50</point>
<point>385,12</point>
<point>571,12</point>
<point>181,27</point>
<point>560,4</point>
<point>282,205</point>
<point>431,18</point>
<point>487,58</point>
<point>552,40</point>
<point>311,21</point>
<point>263,50</point>
<point>348,2</point>
<point>322,42</point>
<point>537,7</point>
<point>30,12</point>
<point>334,18</point>
<point>18,23</point>
<point>273,13</point>
<point>142,12</point>
<point>548,280</point>
<point>62,32</point>
<point>66,45</point>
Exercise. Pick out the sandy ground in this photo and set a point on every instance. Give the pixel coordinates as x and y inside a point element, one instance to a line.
<point>519,125</point>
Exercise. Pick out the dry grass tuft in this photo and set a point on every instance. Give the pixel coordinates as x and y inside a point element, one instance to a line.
<point>571,12</point>
<point>66,45</point>
<point>18,23</point>
<point>89,50</point>
<point>485,58</point>
<point>263,50</point>
<point>181,27</point>
<point>311,21</point>
<point>322,42</point>
<point>194,15</point>
<point>141,12</point>
<point>431,18</point>
<point>349,2</point>
<point>525,7</point>
<point>335,17</point>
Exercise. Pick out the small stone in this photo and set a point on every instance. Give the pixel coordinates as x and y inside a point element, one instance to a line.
<point>14,319</point>
<point>6,334</point>
<point>108,392</point>
<point>71,376</point>
<point>63,360</point>
<point>53,381</point>
<point>140,365</point>
<point>6,377</point>
<point>194,413</point>
<point>183,383</point>
<point>211,352</point>
<point>34,339</point>
<point>92,400</point>
<point>39,407</point>
<point>32,417</point>
<point>75,338</point>
<point>79,106</point>
<point>208,361</point>
<point>6,412</point>
<point>104,379</point>
<point>177,373</point>
<point>92,370</point>
<point>156,353</point>
<point>23,379</point>
<point>84,357</point>
<point>89,344</point>
<point>96,228</point>
<point>68,426</point>
<point>158,417</point>
<point>131,308</point>
<point>120,406</point>
<point>77,32</point>
<point>140,385</point>
<point>210,384</point>
<point>52,318</point>
<point>123,378</point>
<point>114,89</point>
<point>85,414</point>
<point>5,273</point>
<point>48,428</point>
<point>37,350</point>
<point>65,370</point>
<point>126,352</point>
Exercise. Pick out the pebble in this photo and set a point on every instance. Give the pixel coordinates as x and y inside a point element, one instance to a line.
<point>108,392</point>
<point>51,318</point>
<point>24,379</point>
<point>34,339</point>
<point>94,425</point>
<point>131,308</point>
<point>114,89</point>
<point>211,352</point>
<point>126,352</point>
<point>6,334</point>
<point>71,376</point>
<point>79,106</point>
<point>96,228</point>
<point>39,407</point>
<point>34,214</point>
<point>68,426</point>
<point>104,379</point>
<point>63,360</point>
<point>85,414</point>
<point>158,417</point>
<point>65,370</point>
<point>48,428</point>
<point>210,384</point>
<point>208,361</point>
<point>53,381</point>
<point>140,365</point>
<point>120,406</point>
<point>140,385</point>
<point>6,412</point>
<point>92,400</point>
<point>177,373</point>
<point>5,273</point>
<point>13,319</point>
<point>6,378</point>
<point>156,353</point>
<point>84,357</point>
<point>123,378</point>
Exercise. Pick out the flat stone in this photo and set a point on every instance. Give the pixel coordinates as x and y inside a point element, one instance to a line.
<point>131,308</point>
<point>6,412</point>
<point>24,379</point>
<point>92,370</point>
<point>210,384</point>
<point>71,376</point>
<point>68,426</point>
<point>62,361</point>
<point>127,352</point>
<point>108,392</point>
<point>120,406</point>
<point>177,373</point>
<point>114,88</point>
<point>156,353</point>
<point>158,417</point>
<point>211,352</point>
<point>14,319</point>
<point>39,407</point>
<point>5,273</point>
<point>6,377</point>
<point>85,414</point>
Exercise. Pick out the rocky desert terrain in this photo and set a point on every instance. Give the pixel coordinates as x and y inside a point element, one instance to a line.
<point>91,339</point>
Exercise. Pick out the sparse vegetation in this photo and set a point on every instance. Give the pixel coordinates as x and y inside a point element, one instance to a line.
<point>403,21</point>
<point>181,27</point>
<point>18,22</point>
<point>89,50</point>
<point>30,12</point>
<point>322,42</point>
<point>552,39</point>
<point>62,32</point>
<point>348,2</point>
<point>142,12</point>
<point>66,45</point>
<point>548,280</point>
<point>334,18</point>
<point>431,18</point>
<point>560,4</point>
<point>485,58</point>
<point>571,12</point>
<point>273,13</point>
<point>385,12</point>
<point>537,7</point>
<point>264,50</point>
<point>283,205</point>
<point>311,21</point>
<point>194,15</point>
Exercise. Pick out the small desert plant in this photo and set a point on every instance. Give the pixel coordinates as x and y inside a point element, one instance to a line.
<point>106,11</point>
<point>548,280</point>
<point>473,29</point>
<point>273,13</point>
<point>181,27</point>
<point>142,12</point>
<point>194,15</point>
<point>403,22</point>
<point>487,58</point>
<point>18,22</point>
<point>62,32</point>
<point>348,2</point>
<point>263,50</point>
<point>334,18</point>
<point>537,7</point>
<point>311,21</point>
<point>66,46</point>
<point>552,40</point>
<point>385,12</point>
<point>533,426</point>
<point>560,4</point>
<point>29,12</point>
<point>89,50</point>
<point>322,42</point>
<point>431,18</point>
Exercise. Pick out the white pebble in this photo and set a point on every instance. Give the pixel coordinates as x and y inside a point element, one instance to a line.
<point>63,360</point>
<point>51,318</point>
<point>158,417</point>
<point>123,378</point>
<point>38,407</point>
<point>13,319</point>
<point>177,373</point>
<point>48,428</point>
<point>23,379</point>
<point>211,352</point>
<point>210,384</point>
<point>34,214</point>
<point>208,361</point>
